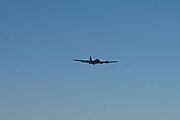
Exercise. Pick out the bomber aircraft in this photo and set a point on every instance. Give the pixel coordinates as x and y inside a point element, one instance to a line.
<point>96,61</point>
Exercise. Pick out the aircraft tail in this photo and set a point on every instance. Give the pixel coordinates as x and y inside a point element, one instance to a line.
<point>90,58</point>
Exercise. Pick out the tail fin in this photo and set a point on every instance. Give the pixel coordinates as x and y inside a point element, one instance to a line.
<point>90,58</point>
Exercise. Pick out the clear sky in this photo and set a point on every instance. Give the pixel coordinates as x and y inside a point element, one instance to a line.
<point>39,80</point>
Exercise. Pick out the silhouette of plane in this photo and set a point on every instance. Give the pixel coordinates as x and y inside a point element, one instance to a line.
<point>96,61</point>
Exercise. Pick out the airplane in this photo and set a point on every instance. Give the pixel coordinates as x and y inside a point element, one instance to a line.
<point>96,61</point>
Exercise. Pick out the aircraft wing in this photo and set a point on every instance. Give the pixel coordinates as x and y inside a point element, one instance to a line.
<point>110,61</point>
<point>86,61</point>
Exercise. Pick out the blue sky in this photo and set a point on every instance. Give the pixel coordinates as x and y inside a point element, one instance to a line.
<point>39,80</point>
